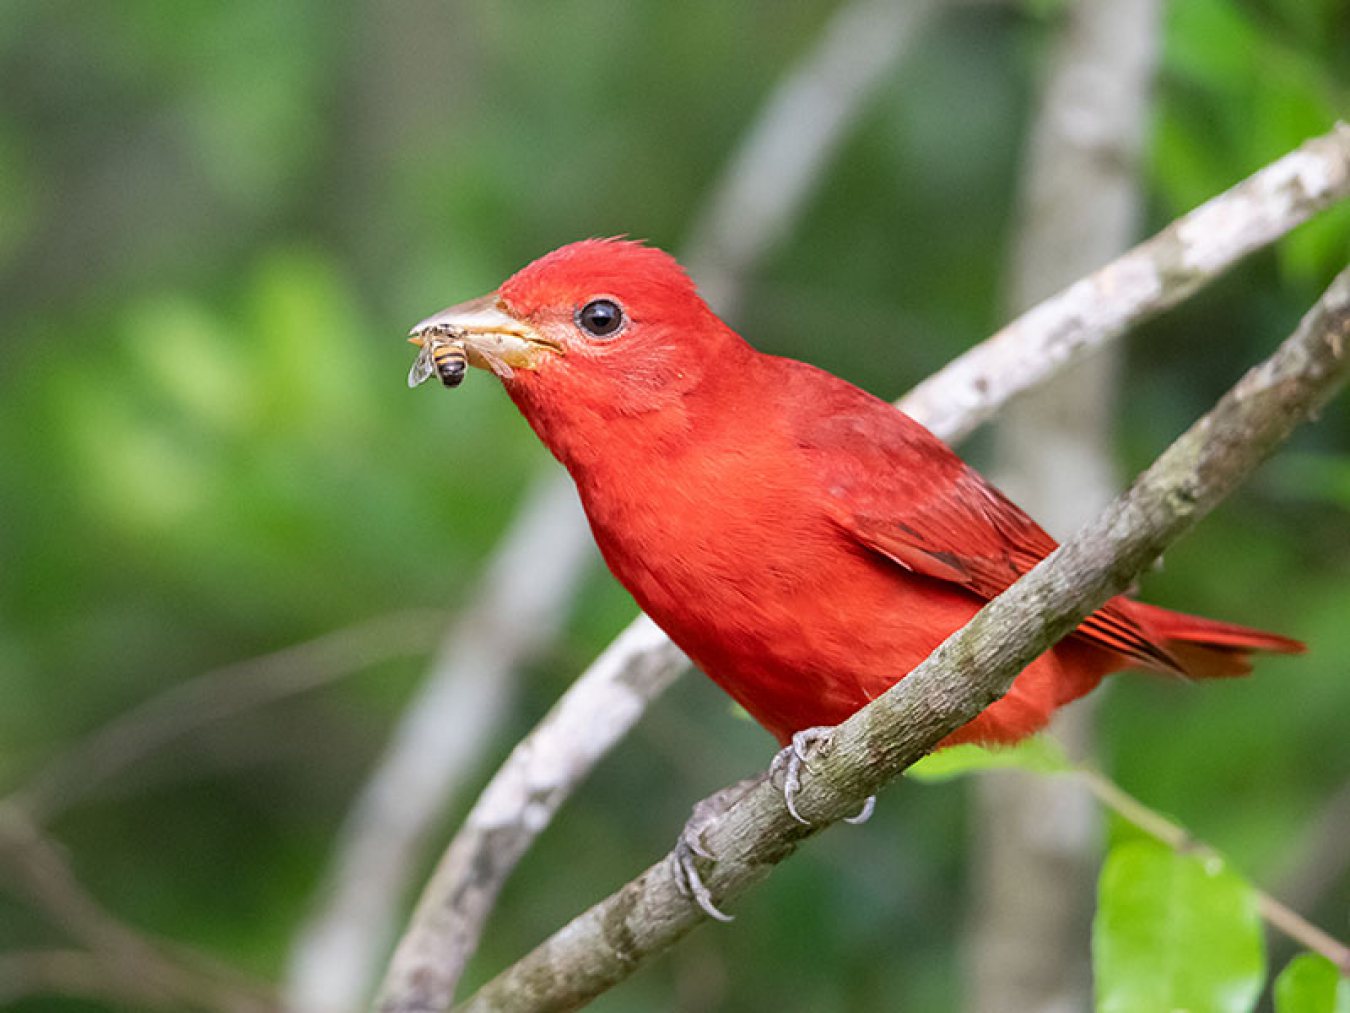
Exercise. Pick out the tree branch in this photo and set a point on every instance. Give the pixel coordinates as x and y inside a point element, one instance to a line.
<point>1320,860</point>
<point>540,774</point>
<point>1178,838</point>
<point>118,956</point>
<point>760,193</point>
<point>1037,840</point>
<point>1154,276</point>
<point>970,670</point>
<point>1257,207</point>
<point>220,693</point>
<point>77,974</point>
<point>518,607</point>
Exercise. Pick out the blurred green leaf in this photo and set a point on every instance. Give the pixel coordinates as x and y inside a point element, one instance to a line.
<point>1038,754</point>
<point>192,363</point>
<point>18,192</point>
<point>1311,984</point>
<point>1246,94</point>
<point>1319,477</point>
<point>1174,932</point>
<point>1211,42</point>
<point>217,223</point>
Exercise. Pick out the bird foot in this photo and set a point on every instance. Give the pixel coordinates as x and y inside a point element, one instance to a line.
<point>789,762</point>
<point>691,846</point>
<point>865,813</point>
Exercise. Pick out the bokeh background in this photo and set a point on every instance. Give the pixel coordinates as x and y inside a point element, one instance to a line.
<point>217,222</point>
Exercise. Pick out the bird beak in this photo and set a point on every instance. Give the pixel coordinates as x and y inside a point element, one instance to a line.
<point>491,336</point>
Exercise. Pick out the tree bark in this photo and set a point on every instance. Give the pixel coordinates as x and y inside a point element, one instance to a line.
<point>1085,316</point>
<point>1036,838</point>
<point>967,672</point>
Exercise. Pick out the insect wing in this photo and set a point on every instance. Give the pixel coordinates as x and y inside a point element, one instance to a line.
<point>423,366</point>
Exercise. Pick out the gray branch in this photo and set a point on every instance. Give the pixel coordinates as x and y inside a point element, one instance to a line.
<point>1036,840</point>
<point>533,783</point>
<point>518,607</point>
<point>967,673</point>
<point>80,770</point>
<point>761,192</point>
<point>1154,276</point>
<point>1247,213</point>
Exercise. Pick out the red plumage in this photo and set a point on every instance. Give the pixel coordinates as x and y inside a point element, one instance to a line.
<point>805,543</point>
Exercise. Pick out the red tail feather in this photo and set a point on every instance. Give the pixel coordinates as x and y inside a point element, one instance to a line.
<point>1207,648</point>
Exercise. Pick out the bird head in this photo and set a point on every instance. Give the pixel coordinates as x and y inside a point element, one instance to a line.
<point>603,327</point>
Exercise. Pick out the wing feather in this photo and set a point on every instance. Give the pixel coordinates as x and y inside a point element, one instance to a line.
<point>900,492</point>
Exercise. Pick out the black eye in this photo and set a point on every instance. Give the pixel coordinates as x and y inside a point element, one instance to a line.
<point>600,318</point>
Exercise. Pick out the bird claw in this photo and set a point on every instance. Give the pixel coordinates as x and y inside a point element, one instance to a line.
<point>689,881</point>
<point>789,762</point>
<point>691,846</point>
<point>865,813</point>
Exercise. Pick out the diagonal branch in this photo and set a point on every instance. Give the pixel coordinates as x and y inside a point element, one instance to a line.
<point>220,693</point>
<point>116,956</point>
<point>540,773</point>
<point>970,670</point>
<point>1178,838</point>
<point>440,738</point>
<point>761,192</point>
<point>1156,275</point>
<point>1254,213</point>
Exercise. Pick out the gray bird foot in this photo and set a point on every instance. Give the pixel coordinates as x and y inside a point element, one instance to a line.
<point>789,762</point>
<point>691,846</point>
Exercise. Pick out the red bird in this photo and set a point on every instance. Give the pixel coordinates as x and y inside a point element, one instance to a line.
<point>805,543</point>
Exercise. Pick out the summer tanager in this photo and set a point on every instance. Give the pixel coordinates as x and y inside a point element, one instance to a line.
<point>805,543</point>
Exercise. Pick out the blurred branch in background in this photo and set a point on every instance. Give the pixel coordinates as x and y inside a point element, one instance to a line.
<point>606,944</point>
<point>1036,838</point>
<point>517,610</point>
<point>1152,277</point>
<point>762,192</point>
<point>1026,352</point>
<point>783,156</point>
<point>541,773</point>
<point>75,974</point>
<point>186,707</point>
<point>118,962</point>
<point>1318,860</point>
<point>213,218</point>
<point>1277,914</point>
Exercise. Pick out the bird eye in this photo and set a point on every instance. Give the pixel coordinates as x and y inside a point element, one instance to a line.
<point>600,318</point>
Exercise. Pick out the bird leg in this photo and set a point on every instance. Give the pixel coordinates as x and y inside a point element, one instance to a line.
<point>690,845</point>
<point>789,762</point>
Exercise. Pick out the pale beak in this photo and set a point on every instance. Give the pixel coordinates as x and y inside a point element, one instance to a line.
<point>492,338</point>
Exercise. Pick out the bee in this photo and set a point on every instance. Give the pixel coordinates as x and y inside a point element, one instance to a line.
<point>446,357</point>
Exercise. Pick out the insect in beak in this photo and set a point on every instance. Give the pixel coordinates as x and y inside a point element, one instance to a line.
<point>442,354</point>
<point>482,333</point>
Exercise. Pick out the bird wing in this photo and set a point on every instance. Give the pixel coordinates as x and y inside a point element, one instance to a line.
<point>900,492</point>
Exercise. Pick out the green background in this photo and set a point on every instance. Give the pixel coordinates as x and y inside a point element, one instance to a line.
<point>217,222</point>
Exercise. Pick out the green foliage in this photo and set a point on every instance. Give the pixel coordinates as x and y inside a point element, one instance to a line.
<point>1244,92</point>
<point>1173,932</point>
<point>1038,754</point>
<point>1311,984</point>
<point>217,222</point>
